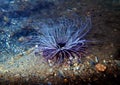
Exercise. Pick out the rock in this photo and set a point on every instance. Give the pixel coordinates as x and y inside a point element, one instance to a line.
<point>61,74</point>
<point>96,59</point>
<point>100,67</point>
<point>65,80</point>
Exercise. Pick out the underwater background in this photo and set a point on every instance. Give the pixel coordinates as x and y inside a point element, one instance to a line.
<point>21,23</point>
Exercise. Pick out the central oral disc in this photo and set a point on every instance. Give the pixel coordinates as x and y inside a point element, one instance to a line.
<point>61,45</point>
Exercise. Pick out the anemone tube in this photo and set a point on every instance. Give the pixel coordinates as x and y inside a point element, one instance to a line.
<point>63,38</point>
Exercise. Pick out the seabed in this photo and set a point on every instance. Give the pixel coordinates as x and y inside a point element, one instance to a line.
<point>101,66</point>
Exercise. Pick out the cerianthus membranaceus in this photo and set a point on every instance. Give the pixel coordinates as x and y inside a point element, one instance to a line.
<point>63,38</point>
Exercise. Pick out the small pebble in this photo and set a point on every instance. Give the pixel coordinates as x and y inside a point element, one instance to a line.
<point>77,67</point>
<point>60,73</point>
<point>104,61</point>
<point>50,63</point>
<point>65,80</point>
<point>54,74</point>
<point>17,75</point>
<point>21,39</point>
<point>96,59</point>
<point>65,68</point>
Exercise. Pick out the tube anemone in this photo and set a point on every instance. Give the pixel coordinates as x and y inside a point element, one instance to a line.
<point>63,38</point>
